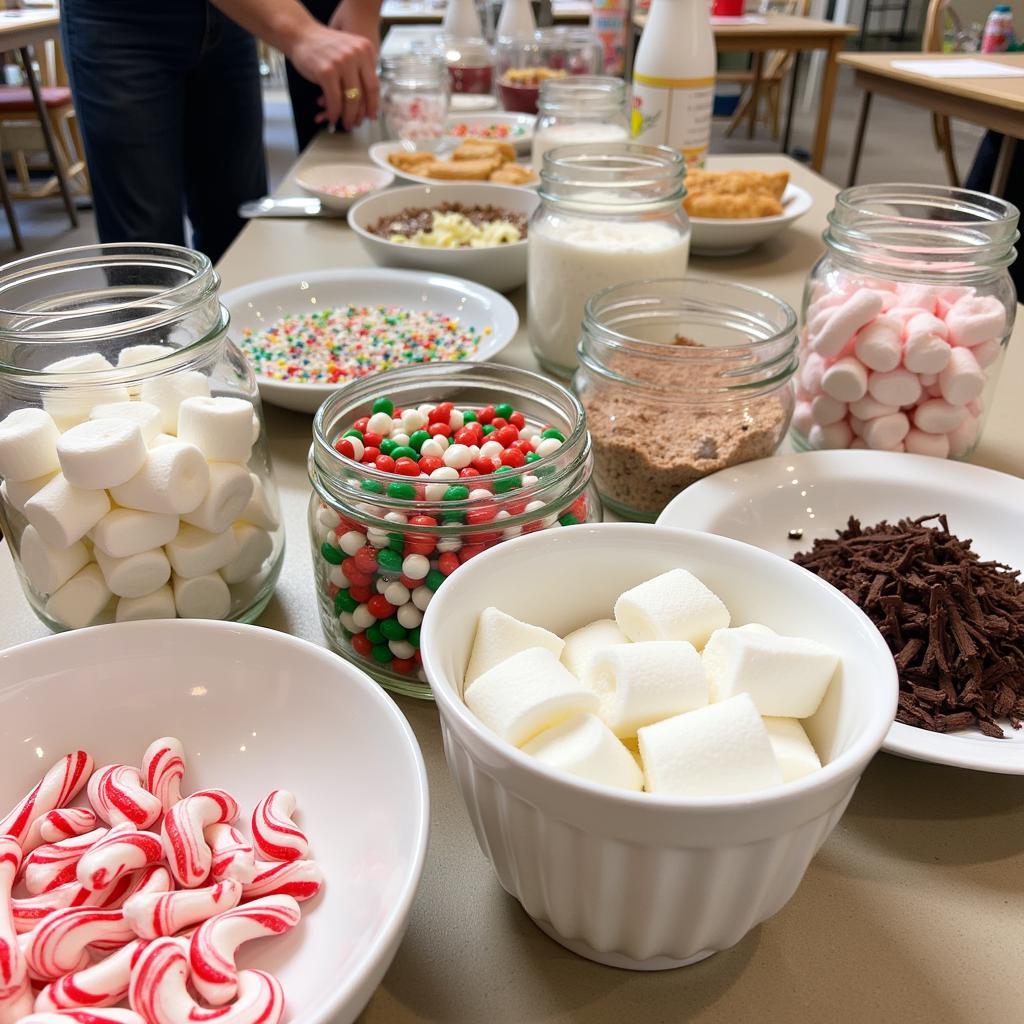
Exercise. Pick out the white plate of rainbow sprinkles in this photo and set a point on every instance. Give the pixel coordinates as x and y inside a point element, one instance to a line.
<point>305,335</point>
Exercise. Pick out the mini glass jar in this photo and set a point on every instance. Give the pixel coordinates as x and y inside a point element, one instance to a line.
<point>470,65</point>
<point>122,519</point>
<point>905,319</point>
<point>525,62</point>
<point>681,378</point>
<point>383,542</point>
<point>578,111</point>
<point>413,95</point>
<point>608,214</point>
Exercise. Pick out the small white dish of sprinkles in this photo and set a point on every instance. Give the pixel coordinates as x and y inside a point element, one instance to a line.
<point>305,335</point>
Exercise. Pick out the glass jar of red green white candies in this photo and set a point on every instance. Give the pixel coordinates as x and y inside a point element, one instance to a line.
<point>415,471</point>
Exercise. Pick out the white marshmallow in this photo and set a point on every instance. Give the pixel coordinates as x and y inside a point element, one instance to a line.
<point>844,322</point>
<point>987,352</point>
<point>170,390</point>
<point>63,513</point>
<point>126,531</point>
<point>583,643</point>
<point>162,439</point>
<point>644,682</point>
<point>28,445</point>
<point>73,405</point>
<point>259,510</point>
<point>878,344</point>
<point>925,352</point>
<point>257,428</point>
<point>896,387</point>
<point>221,428</point>
<point>157,605</point>
<point>81,599</point>
<point>963,379</point>
<point>254,548</point>
<point>928,381</point>
<point>48,568</point>
<point>885,432</point>
<point>147,416</point>
<point>584,746</point>
<point>499,636</point>
<point>825,410</point>
<point>135,355</point>
<point>99,454</point>
<point>786,676</point>
<point>672,606</point>
<point>526,694</point>
<point>201,597</point>
<point>135,575</point>
<point>226,498</point>
<point>812,369</point>
<point>835,435</point>
<point>173,480</point>
<point>975,319</point>
<point>195,552</point>
<point>868,409</point>
<point>803,419</point>
<point>90,362</point>
<point>919,443</point>
<point>759,628</point>
<point>937,416</point>
<point>845,380</point>
<point>17,492</point>
<point>793,750</point>
<point>963,437</point>
<point>713,751</point>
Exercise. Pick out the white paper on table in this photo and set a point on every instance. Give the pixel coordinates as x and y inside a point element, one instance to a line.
<point>967,68</point>
<point>738,19</point>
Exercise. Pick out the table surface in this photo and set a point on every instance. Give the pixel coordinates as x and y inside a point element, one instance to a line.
<point>23,28</point>
<point>773,28</point>
<point>406,11</point>
<point>910,911</point>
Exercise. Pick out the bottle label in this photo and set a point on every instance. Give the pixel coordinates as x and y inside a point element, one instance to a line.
<point>609,21</point>
<point>673,112</point>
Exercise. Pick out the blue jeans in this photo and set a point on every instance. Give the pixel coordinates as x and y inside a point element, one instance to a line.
<point>167,94</point>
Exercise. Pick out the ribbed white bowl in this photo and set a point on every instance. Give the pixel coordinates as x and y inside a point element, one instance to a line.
<point>632,879</point>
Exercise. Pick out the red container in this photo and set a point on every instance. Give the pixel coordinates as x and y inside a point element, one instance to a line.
<point>727,8</point>
<point>474,80</point>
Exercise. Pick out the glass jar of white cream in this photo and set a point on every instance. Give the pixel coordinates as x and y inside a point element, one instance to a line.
<point>609,213</point>
<point>579,110</point>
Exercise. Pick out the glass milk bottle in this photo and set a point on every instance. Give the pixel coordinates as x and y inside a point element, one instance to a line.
<point>579,110</point>
<point>674,79</point>
<point>609,213</point>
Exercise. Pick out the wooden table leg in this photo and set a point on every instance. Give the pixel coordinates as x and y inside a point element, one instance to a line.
<point>793,78</point>
<point>858,138</point>
<point>828,91</point>
<point>755,94</point>
<point>47,128</point>
<point>5,198</point>
<point>1003,162</point>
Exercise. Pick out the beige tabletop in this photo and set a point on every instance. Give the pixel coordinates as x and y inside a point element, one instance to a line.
<point>26,28</point>
<point>911,910</point>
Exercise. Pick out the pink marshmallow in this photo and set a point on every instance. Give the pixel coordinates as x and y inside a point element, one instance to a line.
<point>974,319</point>
<point>886,432</point>
<point>858,442</point>
<point>974,407</point>
<point>988,352</point>
<point>868,409</point>
<point>964,437</point>
<point>825,410</point>
<point>925,323</point>
<point>962,379</point>
<point>834,435</point>
<point>826,301</point>
<point>920,296</point>
<point>802,419</point>
<point>937,416</point>
<point>845,380</point>
<point>857,426</point>
<point>812,368</point>
<point>928,380</point>
<point>926,350</point>
<point>845,321</point>
<point>878,344</point>
<point>920,443</point>
<point>897,387</point>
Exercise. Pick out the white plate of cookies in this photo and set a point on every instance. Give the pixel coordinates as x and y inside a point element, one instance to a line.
<point>428,163</point>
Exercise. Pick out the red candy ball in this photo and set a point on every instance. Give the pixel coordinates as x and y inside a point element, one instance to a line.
<point>362,645</point>
<point>380,607</point>
<point>465,436</point>
<point>498,422</point>
<point>370,455</point>
<point>366,559</point>
<point>361,424</point>
<point>485,466</point>
<point>485,415</point>
<point>344,446</point>
<point>422,521</point>
<point>441,414</point>
<point>385,463</point>
<point>524,446</point>
<point>441,429</point>
<point>403,665</point>
<point>372,440</point>
<point>408,583</point>
<point>476,516</point>
<point>447,563</point>
<point>428,463</point>
<point>506,436</point>
<point>512,457</point>
<point>518,420</point>
<point>362,594</point>
<point>469,471</point>
<point>354,574</point>
<point>469,550</point>
<point>407,467</point>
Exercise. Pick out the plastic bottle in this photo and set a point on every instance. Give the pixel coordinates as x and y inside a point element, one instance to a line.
<point>998,34</point>
<point>609,21</point>
<point>516,19</point>
<point>461,20</point>
<point>674,79</point>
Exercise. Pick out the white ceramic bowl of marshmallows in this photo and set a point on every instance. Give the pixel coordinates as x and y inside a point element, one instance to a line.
<point>303,825</point>
<point>656,785</point>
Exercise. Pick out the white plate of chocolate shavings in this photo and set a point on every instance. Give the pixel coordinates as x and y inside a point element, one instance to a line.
<point>949,604</point>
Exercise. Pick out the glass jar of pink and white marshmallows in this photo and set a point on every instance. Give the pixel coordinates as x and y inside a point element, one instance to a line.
<point>905,320</point>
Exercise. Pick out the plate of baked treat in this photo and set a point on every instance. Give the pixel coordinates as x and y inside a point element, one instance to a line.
<point>428,163</point>
<point>732,211</point>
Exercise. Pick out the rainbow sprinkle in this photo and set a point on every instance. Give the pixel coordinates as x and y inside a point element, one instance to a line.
<point>330,345</point>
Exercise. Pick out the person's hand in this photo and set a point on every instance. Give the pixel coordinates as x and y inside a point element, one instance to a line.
<point>359,17</point>
<point>343,65</point>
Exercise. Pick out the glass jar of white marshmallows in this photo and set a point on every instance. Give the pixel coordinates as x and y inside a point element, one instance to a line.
<point>136,480</point>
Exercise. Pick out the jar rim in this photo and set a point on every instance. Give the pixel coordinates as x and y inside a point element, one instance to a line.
<point>601,93</point>
<point>625,175</point>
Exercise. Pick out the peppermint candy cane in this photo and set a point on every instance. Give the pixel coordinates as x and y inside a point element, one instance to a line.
<point>15,994</point>
<point>185,847</point>
<point>28,912</point>
<point>59,786</point>
<point>63,823</point>
<point>163,768</point>
<point>300,879</point>
<point>275,834</point>
<point>233,854</point>
<point>158,991</point>
<point>101,984</point>
<point>152,915</point>
<point>212,950</point>
<point>58,945</point>
<point>117,796</point>
<point>107,1015</point>
<point>148,881</point>
<point>55,864</point>
<point>123,849</point>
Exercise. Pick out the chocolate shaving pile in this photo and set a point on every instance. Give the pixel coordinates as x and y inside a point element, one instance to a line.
<point>954,624</point>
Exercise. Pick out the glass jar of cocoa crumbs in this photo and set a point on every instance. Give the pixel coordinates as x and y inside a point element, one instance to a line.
<point>681,378</point>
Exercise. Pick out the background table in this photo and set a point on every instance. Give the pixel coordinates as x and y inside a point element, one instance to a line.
<point>911,910</point>
<point>995,103</point>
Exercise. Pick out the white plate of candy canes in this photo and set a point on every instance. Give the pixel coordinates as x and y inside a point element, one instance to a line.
<point>331,833</point>
<point>305,335</point>
<point>787,503</point>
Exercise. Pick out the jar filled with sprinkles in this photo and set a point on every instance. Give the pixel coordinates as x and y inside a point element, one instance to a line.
<point>416,471</point>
